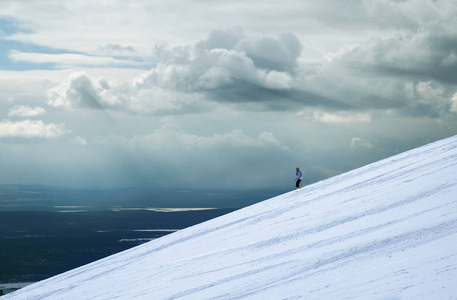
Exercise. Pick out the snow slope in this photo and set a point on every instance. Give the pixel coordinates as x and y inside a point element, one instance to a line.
<point>384,231</point>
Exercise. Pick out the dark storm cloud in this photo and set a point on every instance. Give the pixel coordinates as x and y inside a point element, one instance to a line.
<point>426,55</point>
<point>275,100</point>
<point>413,72</point>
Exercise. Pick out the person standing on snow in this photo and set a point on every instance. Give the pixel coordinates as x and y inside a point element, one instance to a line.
<point>299,178</point>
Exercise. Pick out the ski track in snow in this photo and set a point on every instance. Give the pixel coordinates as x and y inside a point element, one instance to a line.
<point>384,231</point>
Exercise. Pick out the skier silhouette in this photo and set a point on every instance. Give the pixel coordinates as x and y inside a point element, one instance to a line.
<point>299,178</point>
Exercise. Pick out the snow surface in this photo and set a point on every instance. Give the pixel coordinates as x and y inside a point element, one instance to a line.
<point>385,231</point>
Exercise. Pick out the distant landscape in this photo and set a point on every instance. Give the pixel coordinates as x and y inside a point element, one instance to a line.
<point>45,230</point>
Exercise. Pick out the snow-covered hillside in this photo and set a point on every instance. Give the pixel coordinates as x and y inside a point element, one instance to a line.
<point>384,231</point>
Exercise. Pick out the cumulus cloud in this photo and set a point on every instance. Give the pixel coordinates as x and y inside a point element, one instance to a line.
<point>137,95</point>
<point>428,98</point>
<point>232,69</point>
<point>25,111</point>
<point>277,80</point>
<point>430,91</point>
<point>278,53</point>
<point>78,91</point>
<point>410,68</point>
<point>231,66</point>
<point>404,72</point>
<point>231,60</point>
<point>31,129</point>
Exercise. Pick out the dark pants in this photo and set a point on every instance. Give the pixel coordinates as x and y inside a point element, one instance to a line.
<point>297,185</point>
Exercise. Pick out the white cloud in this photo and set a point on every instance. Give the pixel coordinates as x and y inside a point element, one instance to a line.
<point>80,141</point>
<point>31,129</point>
<point>278,80</point>
<point>341,51</point>
<point>25,111</point>
<point>430,91</point>
<point>141,95</point>
<point>185,70</point>
<point>344,117</point>
<point>453,107</point>
<point>360,143</point>
<point>429,98</point>
<point>78,91</point>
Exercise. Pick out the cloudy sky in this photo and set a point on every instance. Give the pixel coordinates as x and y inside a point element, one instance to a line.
<point>219,94</point>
